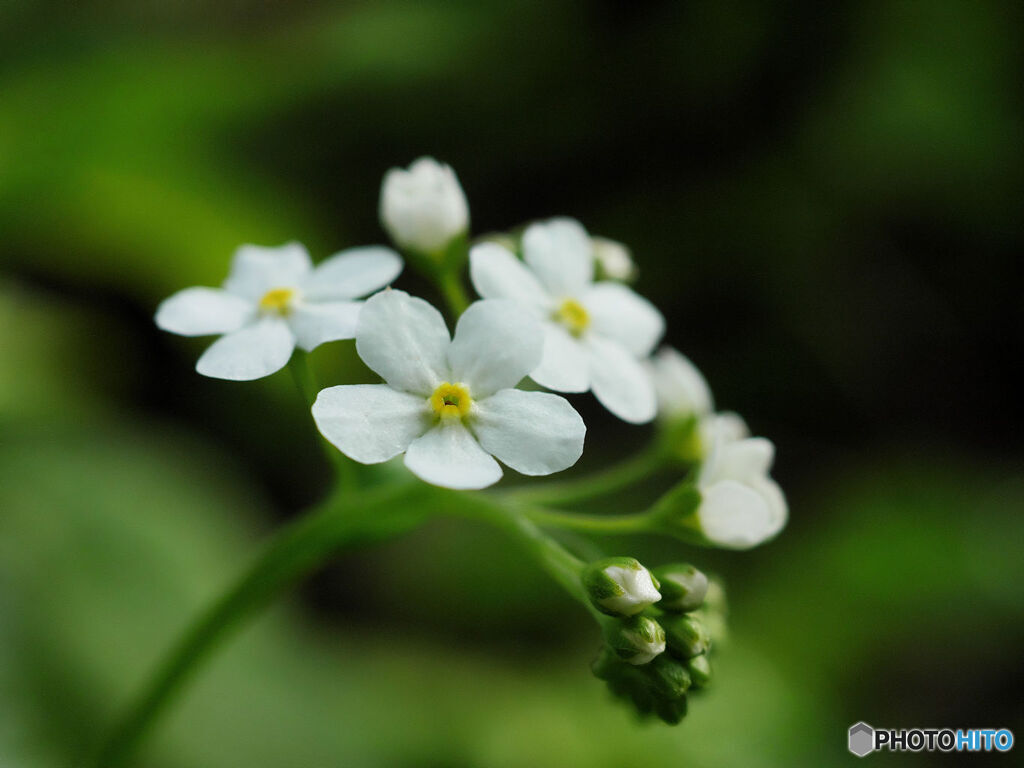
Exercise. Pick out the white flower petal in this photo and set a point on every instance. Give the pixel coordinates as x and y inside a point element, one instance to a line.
<point>448,455</point>
<point>772,493</point>
<point>638,590</point>
<point>621,315</point>
<point>353,273</point>
<point>743,460</point>
<point>370,423</point>
<point>564,364</point>
<point>203,311</point>
<point>256,269</point>
<point>559,253</point>
<point>315,323</point>
<point>405,340</point>
<point>497,343</point>
<point>252,352</point>
<point>620,382</point>
<point>681,387</point>
<point>736,516</point>
<point>497,274</point>
<point>535,433</point>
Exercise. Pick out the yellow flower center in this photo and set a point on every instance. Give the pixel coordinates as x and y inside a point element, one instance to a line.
<point>278,301</point>
<point>451,400</point>
<point>573,316</point>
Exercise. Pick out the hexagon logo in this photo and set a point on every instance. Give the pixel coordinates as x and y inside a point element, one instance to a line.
<point>861,739</point>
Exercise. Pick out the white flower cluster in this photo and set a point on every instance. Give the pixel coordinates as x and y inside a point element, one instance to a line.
<point>553,308</point>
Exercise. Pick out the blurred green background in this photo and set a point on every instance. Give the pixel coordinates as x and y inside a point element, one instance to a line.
<point>825,200</point>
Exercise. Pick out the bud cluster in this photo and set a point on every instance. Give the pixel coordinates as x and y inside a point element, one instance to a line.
<point>654,656</point>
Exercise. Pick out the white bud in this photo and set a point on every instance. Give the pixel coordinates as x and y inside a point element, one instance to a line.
<point>682,389</point>
<point>423,208</point>
<point>613,259</point>
<point>636,640</point>
<point>741,506</point>
<point>620,586</point>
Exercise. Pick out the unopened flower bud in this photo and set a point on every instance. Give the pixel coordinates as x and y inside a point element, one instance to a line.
<point>423,208</point>
<point>672,711</point>
<point>682,587</point>
<point>686,635</point>
<point>620,586</point>
<point>700,670</point>
<point>613,259</point>
<point>636,640</point>
<point>669,678</point>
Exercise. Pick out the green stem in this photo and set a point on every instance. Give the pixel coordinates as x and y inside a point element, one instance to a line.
<point>613,479</point>
<point>342,521</point>
<point>560,564</point>
<point>450,283</point>
<point>345,471</point>
<point>600,524</point>
<point>294,551</point>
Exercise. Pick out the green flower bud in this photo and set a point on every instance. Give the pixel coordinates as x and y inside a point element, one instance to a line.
<point>700,670</point>
<point>686,635</point>
<point>620,586</point>
<point>635,640</point>
<point>672,711</point>
<point>682,587</point>
<point>669,678</point>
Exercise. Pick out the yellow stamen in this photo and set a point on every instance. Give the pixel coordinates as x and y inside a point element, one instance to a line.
<point>573,316</point>
<point>451,400</point>
<point>277,301</point>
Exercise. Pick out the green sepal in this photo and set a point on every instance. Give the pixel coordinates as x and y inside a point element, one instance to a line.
<point>634,637</point>
<point>669,678</point>
<point>675,513</point>
<point>600,586</point>
<point>686,635</point>
<point>671,711</point>
<point>699,668</point>
<point>683,587</point>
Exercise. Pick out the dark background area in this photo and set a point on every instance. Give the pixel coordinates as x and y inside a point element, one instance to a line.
<point>824,200</point>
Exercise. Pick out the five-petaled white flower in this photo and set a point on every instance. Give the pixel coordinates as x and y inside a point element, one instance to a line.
<point>595,334</point>
<point>423,208</point>
<point>449,404</point>
<point>273,300</point>
<point>741,505</point>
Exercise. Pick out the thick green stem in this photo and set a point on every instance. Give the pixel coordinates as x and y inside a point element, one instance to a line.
<point>613,479</point>
<point>294,552</point>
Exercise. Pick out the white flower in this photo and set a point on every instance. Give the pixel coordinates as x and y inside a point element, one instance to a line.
<point>613,259</point>
<point>741,506</point>
<point>273,300</point>
<point>423,208</point>
<point>449,404</point>
<point>681,387</point>
<point>595,334</point>
<point>620,586</point>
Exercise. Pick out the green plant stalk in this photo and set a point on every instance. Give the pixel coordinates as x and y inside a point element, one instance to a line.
<point>345,472</point>
<point>295,551</point>
<point>450,284</point>
<point>613,479</point>
<point>640,522</point>
<point>342,521</point>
